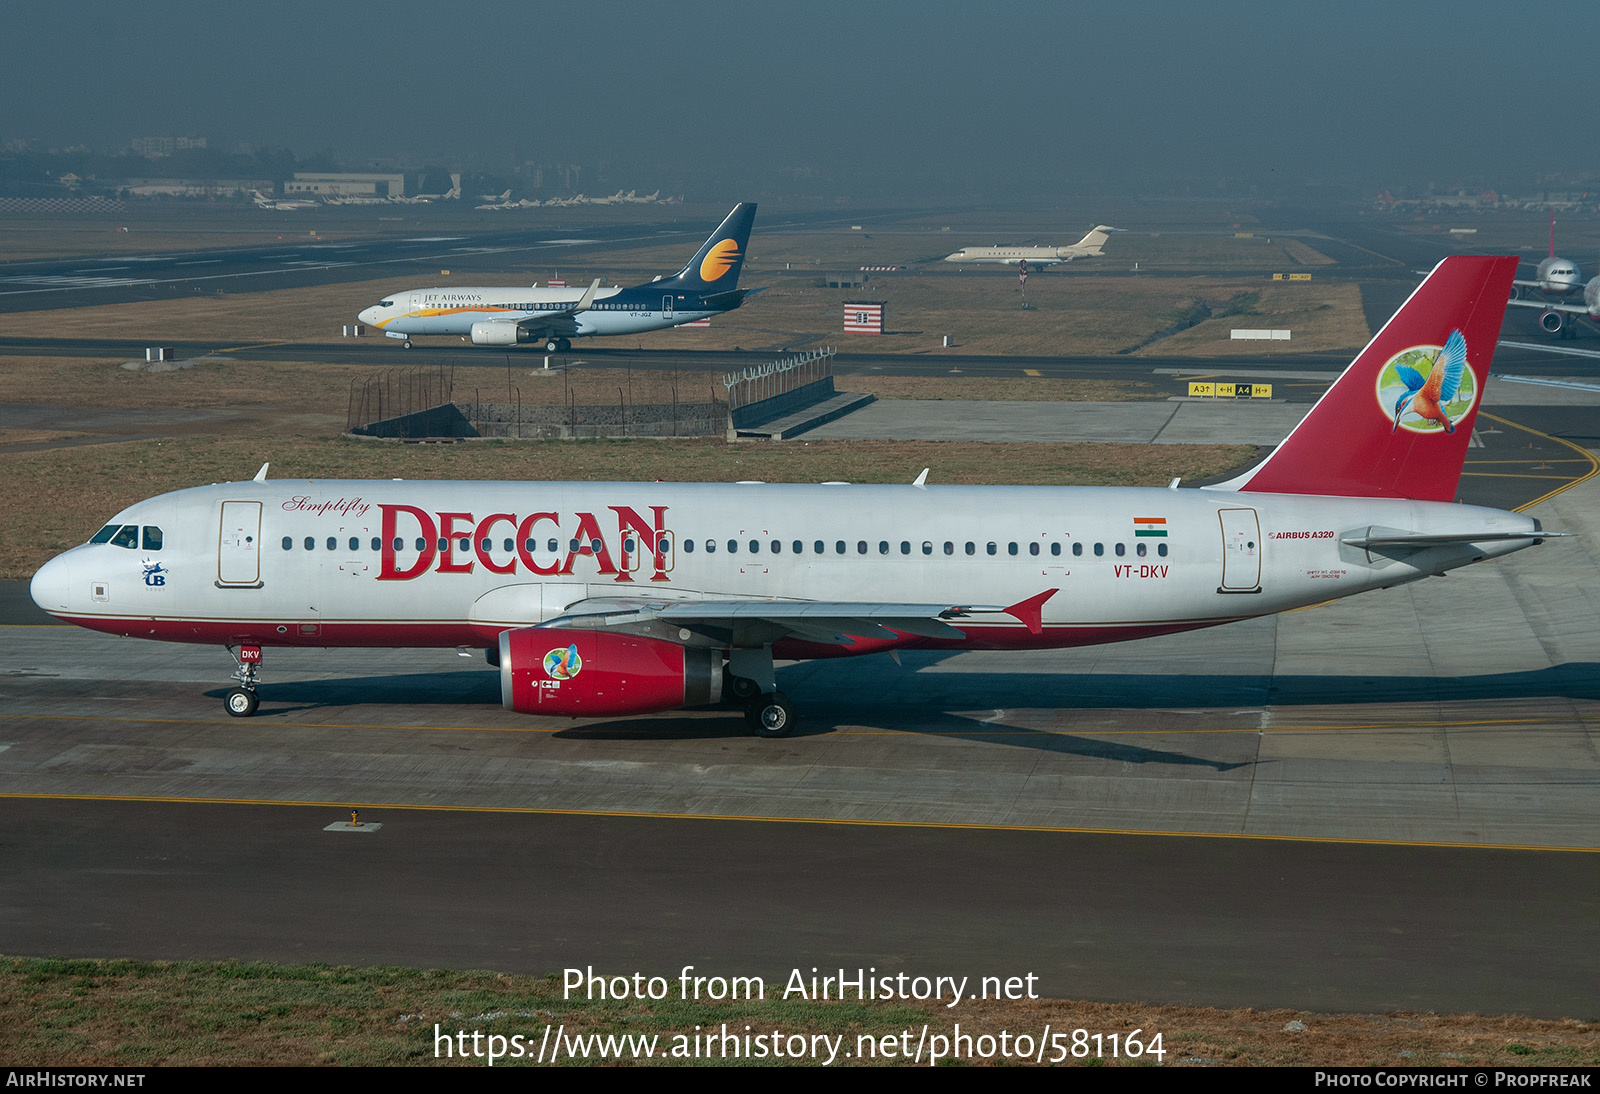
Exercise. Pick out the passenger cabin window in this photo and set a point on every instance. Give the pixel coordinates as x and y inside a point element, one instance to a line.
<point>288,543</point>
<point>311,543</point>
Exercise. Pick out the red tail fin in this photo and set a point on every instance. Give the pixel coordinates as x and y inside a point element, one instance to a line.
<point>1397,422</point>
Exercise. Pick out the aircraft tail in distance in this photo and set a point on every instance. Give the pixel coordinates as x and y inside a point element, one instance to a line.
<point>1397,422</point>
<point>716,265</point>
<point>1091,244</point>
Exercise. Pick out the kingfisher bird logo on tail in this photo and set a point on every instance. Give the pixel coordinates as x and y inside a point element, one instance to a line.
<point>1397,422</point>
<point>1449,386</point>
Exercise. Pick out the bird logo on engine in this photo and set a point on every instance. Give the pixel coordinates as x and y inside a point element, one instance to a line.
<point>563,664</point>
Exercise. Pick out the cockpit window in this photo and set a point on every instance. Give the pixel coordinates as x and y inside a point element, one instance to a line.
<point>127,536</point>
<point>105,533</point>
<point>386,304</point>
<point>152,538</point>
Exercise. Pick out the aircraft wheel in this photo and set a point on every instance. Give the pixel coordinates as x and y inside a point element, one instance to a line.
<point>241,703</point>
<point>563,345</point>
<point>552,345</point>
<point>771,715</point>
<point>406,343</point>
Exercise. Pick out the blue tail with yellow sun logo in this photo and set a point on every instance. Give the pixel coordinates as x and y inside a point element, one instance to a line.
<point>715,266</point>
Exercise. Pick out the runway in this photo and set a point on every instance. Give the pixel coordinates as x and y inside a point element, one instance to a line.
<point>1388,802</point>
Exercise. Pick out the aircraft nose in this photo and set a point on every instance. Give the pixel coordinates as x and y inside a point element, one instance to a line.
<point>369,316</point>
<point>52,584</point>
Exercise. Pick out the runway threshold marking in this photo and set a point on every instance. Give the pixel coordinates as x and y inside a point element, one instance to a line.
<point>842,821</point>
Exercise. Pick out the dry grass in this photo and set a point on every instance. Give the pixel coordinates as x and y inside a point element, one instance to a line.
<point>103,479</point>
<point>138,1014</point>
<point>1322,315</point>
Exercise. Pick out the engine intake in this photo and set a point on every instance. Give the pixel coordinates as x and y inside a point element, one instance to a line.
<point>1551,322</point>
<point>600,674</point>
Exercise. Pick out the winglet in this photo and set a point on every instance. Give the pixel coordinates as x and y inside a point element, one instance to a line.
<point>261,476</point>
<point>922,479</point>
<point>1031,610</point>
<point>587,298</point>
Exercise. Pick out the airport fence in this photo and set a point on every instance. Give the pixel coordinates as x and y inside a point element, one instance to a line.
<point>761,393</point>
<point>398,393</point>
<point>421,404</point>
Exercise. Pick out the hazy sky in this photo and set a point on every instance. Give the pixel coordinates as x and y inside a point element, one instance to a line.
<point>944,97</point>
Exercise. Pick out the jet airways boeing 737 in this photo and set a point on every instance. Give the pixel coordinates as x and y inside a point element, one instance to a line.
<point>1087,247</point>
<point>607,599</point>
<point>551,318</point>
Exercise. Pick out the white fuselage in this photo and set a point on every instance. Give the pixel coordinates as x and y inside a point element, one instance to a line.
<point>1558,277</point>
<point>454,311</point>
<point>1010,256</point>
<point>394,563</point>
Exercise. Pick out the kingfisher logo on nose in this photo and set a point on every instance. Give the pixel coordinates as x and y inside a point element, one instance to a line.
<point>719,260</point>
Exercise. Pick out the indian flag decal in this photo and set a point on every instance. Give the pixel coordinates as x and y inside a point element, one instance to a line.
<point>1155,527</point>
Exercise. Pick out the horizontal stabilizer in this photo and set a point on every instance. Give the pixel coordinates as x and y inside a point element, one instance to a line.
<point>1428,539</point>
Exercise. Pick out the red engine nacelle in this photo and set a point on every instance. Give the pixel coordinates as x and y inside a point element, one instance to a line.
<point>597,674</point>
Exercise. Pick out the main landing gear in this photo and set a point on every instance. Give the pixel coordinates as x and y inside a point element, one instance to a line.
<point>749,680</point>
<point>242,701</point>
<point>557,345</point>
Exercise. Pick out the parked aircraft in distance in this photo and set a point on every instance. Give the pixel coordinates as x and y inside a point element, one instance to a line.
<point>1559,278</point>
<point>1087,247</point>
<point>610,599</point>
<point>551,318</point>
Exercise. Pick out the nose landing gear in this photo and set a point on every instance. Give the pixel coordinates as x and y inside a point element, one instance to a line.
<point>242,701</point>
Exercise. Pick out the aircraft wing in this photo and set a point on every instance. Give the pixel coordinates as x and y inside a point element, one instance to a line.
<point>755,622</point>
<point>1550,305</point>
<point>560,324</point>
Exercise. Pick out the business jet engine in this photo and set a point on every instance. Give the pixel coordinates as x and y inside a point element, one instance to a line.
<point>499,333</point>
<point>601,674</point>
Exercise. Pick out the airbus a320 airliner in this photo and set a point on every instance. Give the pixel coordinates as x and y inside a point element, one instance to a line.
<point>551,318</point>
<point>608,599</point>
